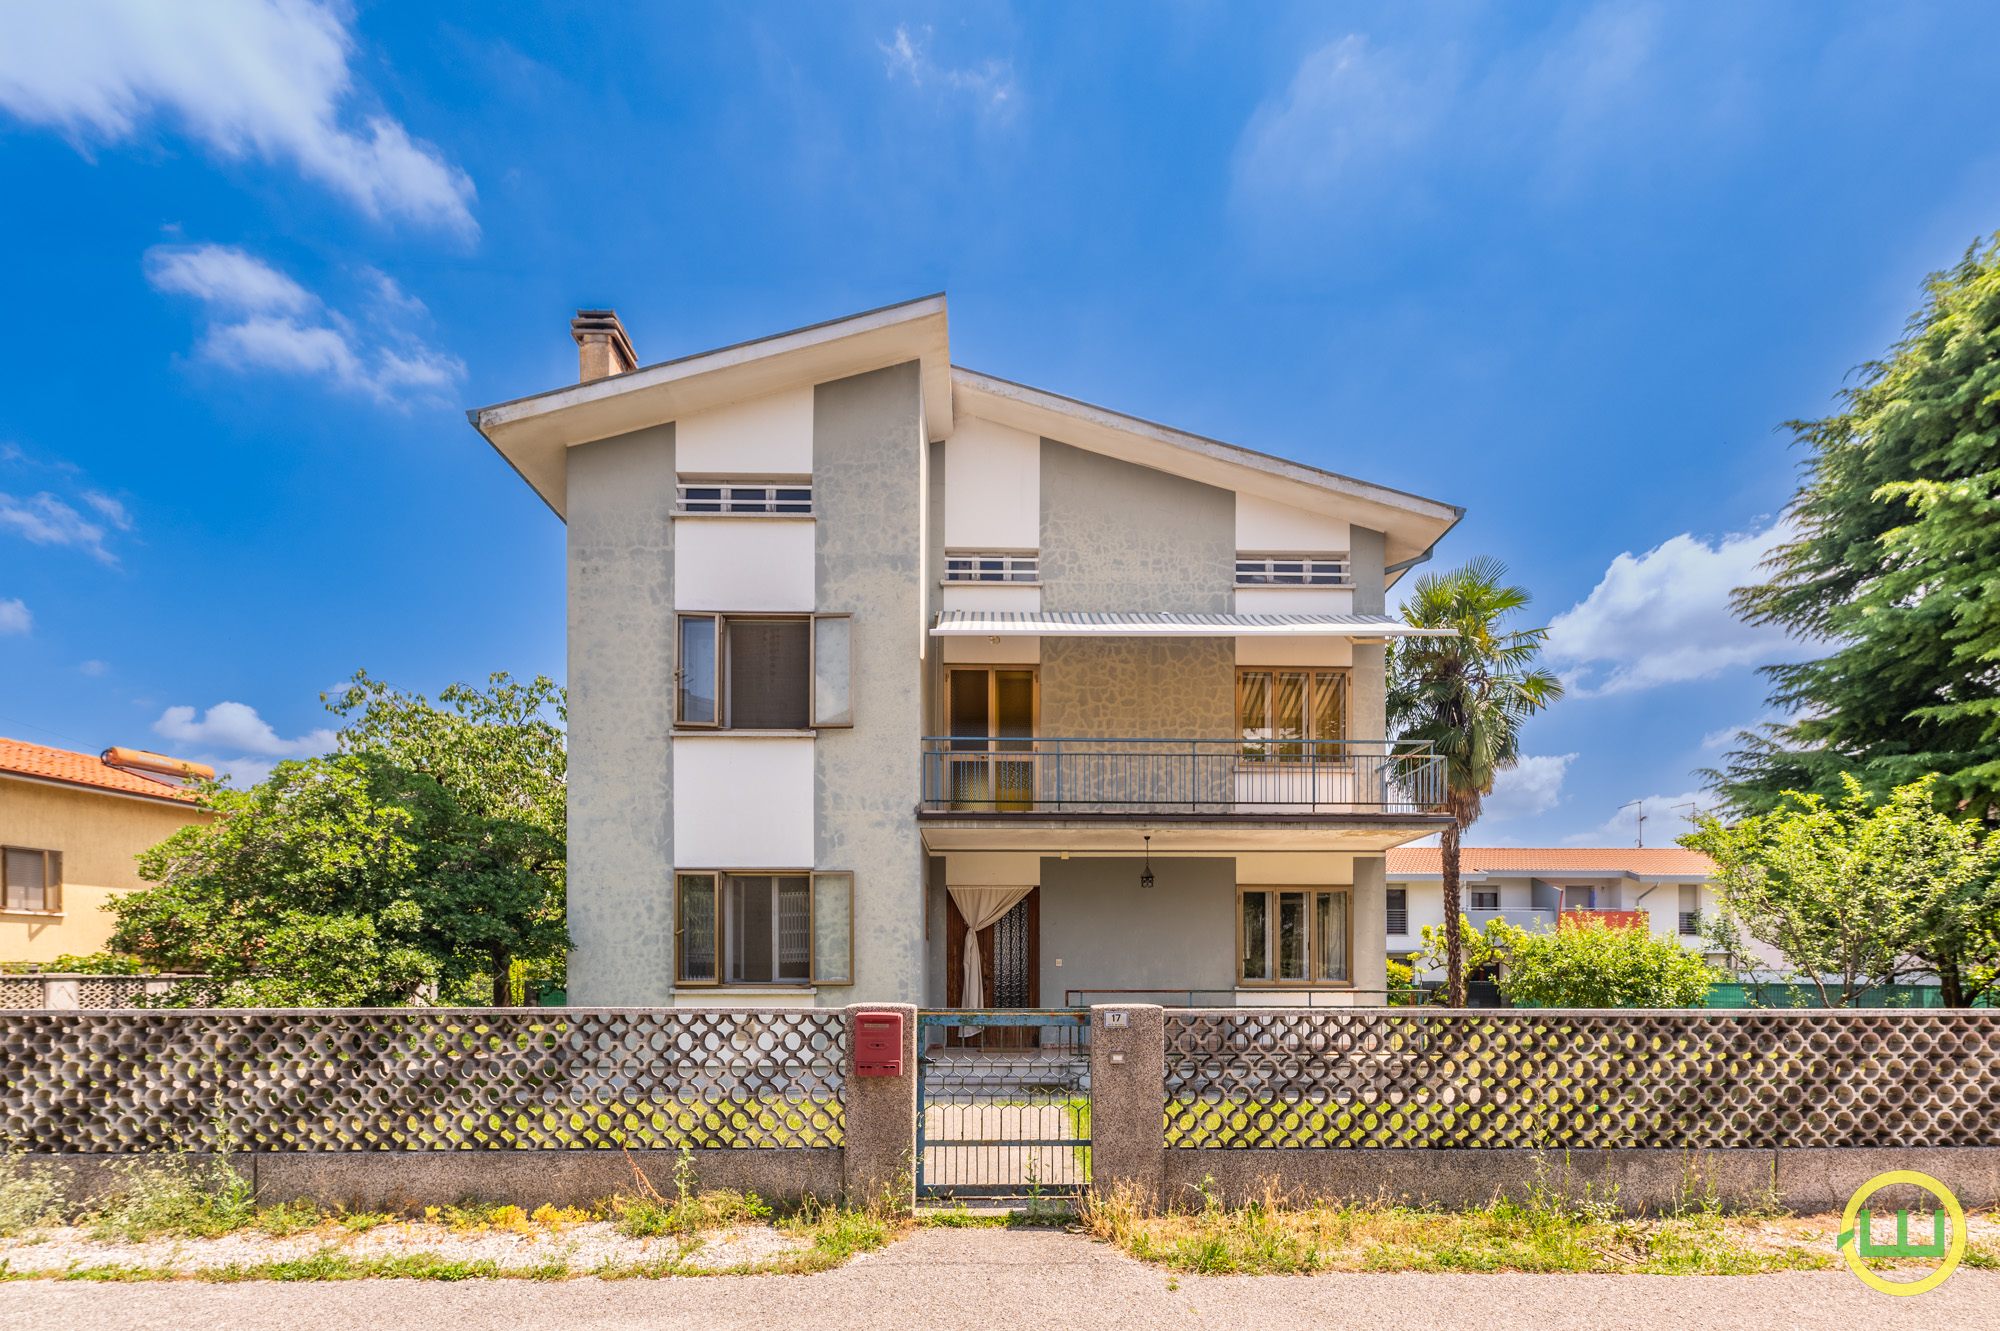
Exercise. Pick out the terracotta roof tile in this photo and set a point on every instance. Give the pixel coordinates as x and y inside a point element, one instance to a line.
<point>82,769</point>
<point>1563,862</point>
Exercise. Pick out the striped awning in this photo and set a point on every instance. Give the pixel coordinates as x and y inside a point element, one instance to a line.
<point>1124,624</point>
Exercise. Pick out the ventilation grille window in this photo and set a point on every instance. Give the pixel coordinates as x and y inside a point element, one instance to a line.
<point>1290,571</point>
<point>747,498</point>
<point>992,568</point>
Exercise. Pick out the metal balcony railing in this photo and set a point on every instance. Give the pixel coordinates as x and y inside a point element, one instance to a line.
<point>1050,774</point>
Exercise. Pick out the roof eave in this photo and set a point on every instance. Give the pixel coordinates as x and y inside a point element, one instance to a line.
<point>534,433</point>
<point>176,801</point>
<point>1412,523</point>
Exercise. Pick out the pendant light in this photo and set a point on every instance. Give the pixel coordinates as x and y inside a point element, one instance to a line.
<point>1146,876</point>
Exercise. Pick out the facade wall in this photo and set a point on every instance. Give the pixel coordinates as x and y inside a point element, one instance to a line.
<point>1663,905</point>
<point>870,470</point>
<point>743,803</point>
<point>1108,933</point>
<point>1270,527</point>
<point>1116,536</point>
<point>762,437</point>
<point>743,564</point>
<point>100,837</point>
<point>621,669</point>
<point>995,500</point>
<point>1176,688</point>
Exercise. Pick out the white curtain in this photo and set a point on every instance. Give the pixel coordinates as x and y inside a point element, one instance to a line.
<point>981,907</point>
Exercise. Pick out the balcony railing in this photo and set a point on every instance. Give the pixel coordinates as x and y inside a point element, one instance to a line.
<point>1530,919</point>
<point>1196,776</point>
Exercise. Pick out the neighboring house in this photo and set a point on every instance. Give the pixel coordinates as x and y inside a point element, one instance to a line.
<point>70,827</point>
<point>868,652</point>
<point>1665,890</point>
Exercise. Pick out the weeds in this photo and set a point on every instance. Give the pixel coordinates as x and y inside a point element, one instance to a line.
<point>189,1195</point>
<point>31,1196</point>
<point>1552,1230</point>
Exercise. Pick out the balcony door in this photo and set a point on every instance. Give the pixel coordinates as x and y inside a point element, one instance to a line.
<point>1010,965</point>
<point>992,714</point>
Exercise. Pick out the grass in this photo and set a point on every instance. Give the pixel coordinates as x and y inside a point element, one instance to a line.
<point>1548,1232</point>
<point>188,1196</point>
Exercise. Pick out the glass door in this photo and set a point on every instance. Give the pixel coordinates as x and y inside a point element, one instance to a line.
<point>992,713</point>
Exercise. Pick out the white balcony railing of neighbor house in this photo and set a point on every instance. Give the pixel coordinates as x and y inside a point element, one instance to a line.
<point>1050,774</point>
<point>1534,920</point>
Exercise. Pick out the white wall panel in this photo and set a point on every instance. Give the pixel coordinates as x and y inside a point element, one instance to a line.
<point>1264,524</point>
<point>1306,870</point>
<point>962,650</point>
<point>743,803</point>
<point>743,564</point>
<point>992,487</point>
<point>992,596</point>
<point>1294,601</point>
<point>981,868</point>
<point>764,436</point>
<point>1294,652</point>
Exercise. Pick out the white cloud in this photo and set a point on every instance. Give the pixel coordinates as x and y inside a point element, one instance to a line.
<point>94,669</point>
<point>1347,106</point>
<point>47,520</point>
<point>1667,817</point>
<point>110,509</point>
<point>1664,616</point>
<point>990,85</point>
<point>236,726</point>
<point>14,616</point>
<point>260,319</point>
<point>1532,786</point>
<point>262,78</point>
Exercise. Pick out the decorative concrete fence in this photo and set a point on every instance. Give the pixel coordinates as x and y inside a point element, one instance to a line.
<point>422,1106</point>
<point>1457,1107</point>
<point>47,991</point>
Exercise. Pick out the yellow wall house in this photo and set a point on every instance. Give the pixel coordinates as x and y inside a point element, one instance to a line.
<point>70,825</point>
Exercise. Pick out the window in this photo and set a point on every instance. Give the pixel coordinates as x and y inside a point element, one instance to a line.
<point>991,713</point>
<point>1690,922</point>
<point>1399,910</point>
<point>1486,901</point>
<point>1279,710</point>
<point>32,879</point>
<point>1255,570</point>
<point>764,672</point>
<point>1292,936</point>
<point>750,929</point>
<point>969,567</point>
<point>768,498</point>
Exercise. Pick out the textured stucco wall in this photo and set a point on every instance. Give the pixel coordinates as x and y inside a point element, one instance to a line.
<point>1121,537</point>
<point>868,473</point>
<point>621,599</point>
<point>1369,954</point>
<point>1370,598</point>
<point>1112,934</point>
<point>1116,536</point>
<point>1179,688</point>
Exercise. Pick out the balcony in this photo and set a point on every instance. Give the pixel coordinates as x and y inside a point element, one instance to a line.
<point>1180,777</point>
<point>1534,920</point>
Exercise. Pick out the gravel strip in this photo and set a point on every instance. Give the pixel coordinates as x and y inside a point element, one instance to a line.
<point>582,1247</point>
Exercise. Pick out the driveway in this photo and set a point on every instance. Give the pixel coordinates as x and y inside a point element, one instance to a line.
<point>984,1280</point>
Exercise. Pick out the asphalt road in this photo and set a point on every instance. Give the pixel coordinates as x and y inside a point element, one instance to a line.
<point>985,1280</point>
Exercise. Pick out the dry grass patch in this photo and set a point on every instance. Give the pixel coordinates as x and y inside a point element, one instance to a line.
<point>1547,1233</point>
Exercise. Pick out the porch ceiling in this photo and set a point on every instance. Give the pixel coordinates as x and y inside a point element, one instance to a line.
<point>1188,834</point>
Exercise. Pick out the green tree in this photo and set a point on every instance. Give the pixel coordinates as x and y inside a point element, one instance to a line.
<point>495,892</point>
<point>428,849</point>
<point>1895,563</point>
<point>299,894</point>
<point>1854,894</point>
<point>1468,695</point>
<point>1593,965</point>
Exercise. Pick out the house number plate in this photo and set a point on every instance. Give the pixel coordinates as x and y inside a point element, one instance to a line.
<point>1113,1020</point>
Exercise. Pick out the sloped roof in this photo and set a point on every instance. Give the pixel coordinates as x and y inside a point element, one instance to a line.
<point>1564,862</point>
<point>20,758</point>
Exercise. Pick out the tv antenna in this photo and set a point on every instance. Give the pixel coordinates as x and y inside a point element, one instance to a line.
<point>1642,819</point>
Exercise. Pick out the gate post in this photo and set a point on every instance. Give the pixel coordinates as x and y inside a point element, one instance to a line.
<point>881,1136</point>
<point>1128,1100</point>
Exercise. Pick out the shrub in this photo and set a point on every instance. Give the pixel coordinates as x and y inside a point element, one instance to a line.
<point>1592,965</point>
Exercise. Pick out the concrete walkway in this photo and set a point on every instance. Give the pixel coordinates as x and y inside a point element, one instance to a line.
<point>992,1279</point>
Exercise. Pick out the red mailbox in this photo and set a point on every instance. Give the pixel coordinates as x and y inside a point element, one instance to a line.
<point>878,1044</point>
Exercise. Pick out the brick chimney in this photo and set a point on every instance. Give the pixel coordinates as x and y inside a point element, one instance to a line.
<point>601,345</point>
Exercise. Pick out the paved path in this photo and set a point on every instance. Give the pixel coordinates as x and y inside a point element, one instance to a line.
<point>985,1280</point>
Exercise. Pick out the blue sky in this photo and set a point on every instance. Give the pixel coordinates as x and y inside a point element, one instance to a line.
<point>1567,265</point>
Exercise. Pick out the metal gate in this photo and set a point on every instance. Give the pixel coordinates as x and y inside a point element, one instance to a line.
<point>1005,1112</point>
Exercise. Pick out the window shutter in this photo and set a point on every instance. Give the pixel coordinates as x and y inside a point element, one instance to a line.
<point>833,928</point>
<point>833,668</point>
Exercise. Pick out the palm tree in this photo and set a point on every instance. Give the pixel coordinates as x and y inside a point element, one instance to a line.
<point>1468,695</point>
